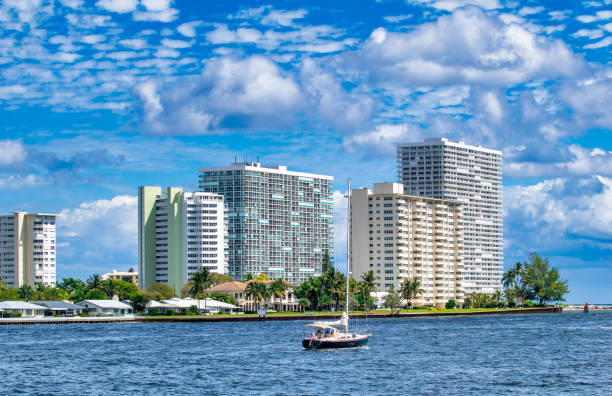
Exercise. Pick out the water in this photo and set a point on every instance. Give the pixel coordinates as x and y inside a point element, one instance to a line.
<point>567,353</point>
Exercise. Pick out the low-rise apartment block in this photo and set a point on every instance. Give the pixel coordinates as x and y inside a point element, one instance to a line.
<point>399,237</point>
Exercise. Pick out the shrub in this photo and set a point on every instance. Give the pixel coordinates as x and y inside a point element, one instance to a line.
<point>451,304</point>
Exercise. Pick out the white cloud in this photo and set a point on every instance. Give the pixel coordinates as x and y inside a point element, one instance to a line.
<point>11,152</point>
<point>9,91</point>
<point>120,6</point>
<point>600,44</point>
<point>599,16</point>
<point>102,231</point>
<point>167,53</point>
<point>188,29</point>
<point>92,38</point>
<point>16,182</point>
<point>157,5</point>
<point>168,15</point>
<point>559,15</point>
<point>397,18</point>
<point>608,27</point>
<point>530,10</point>
<point>383,138</point>
<point>283,18</point>
<point>134,43</point>
<point>572,160</point>
<point>72,3</point>
<point>230,93</point>
<point>460,48</point>
<point>555,213</point>
<point>590,33</point>
<point>222,35</point>
<point>451,5</point>
<point>176,43</point>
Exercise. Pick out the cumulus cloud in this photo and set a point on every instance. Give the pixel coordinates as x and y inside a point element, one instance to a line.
<point>168,15</point>
<point>188,29</point>
<point>561,213</point>
<point>229,93</point>
<point>451,5</point>
<point>100,233</point>
<point>12,152</point>
<point>283,18</point>
<point>572,160</point>
<point>157,5</point>
<point>382,140</point>
<point>120,6</point>
<point>15,182</point>
<point>461,48</point>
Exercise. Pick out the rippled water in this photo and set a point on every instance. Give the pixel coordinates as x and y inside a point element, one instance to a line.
<point>567,353</point>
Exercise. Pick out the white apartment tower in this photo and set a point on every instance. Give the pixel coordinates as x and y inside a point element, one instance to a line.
<point>443,169</point>
<point>179,233</point>
<point>399,237</point>
<point>27,249</point>
<point>280,221</point>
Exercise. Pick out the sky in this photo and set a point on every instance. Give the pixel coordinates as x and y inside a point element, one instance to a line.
<point>100,97</point>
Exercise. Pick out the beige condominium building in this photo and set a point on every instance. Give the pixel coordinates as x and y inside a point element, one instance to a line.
<point>400,236</point>
<point>27,249</point>
<point>178,234</point>
<point>443,169</point>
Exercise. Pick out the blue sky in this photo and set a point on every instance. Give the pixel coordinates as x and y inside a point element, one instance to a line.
<point>99,97</point>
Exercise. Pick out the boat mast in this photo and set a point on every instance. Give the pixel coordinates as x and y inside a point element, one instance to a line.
<point>348,245</point>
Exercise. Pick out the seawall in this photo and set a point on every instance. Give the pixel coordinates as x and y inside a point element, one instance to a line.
<point>275,317</point>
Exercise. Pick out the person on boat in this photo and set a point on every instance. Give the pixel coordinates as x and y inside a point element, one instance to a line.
<point>586,308</point>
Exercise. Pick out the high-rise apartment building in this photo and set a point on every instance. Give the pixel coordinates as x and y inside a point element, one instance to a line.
<point>27,249</point>
<point>439,168</point>
<point>280,221</point>
<point>399,237</point>
<point>179,233</point>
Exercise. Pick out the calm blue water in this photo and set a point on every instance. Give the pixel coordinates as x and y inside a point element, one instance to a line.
<point>567,353</point>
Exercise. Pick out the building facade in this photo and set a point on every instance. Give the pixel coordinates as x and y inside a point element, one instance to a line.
<point>179,233</point>
<point>399,237</point>
<point>280,221</point>
<point>27,249</point>
<point>128,276</point>
<point>439,168</point>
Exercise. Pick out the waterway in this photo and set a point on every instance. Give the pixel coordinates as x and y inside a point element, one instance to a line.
<point>543,354</point>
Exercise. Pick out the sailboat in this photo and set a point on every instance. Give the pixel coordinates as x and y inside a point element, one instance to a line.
<point>336,334</point>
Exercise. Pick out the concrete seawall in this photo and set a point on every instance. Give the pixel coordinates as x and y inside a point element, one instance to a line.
<point>243,318</point>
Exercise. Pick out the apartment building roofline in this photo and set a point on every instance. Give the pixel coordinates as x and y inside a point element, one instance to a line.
<point>256,166</point>
<point>446,142</point>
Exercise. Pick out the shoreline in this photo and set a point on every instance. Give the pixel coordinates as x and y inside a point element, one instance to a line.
<point>273,317</point>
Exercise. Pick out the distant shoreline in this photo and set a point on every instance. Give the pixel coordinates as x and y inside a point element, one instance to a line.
<point>272,317</point>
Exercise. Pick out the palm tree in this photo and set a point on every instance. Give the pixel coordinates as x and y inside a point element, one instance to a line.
<point>26,292</point>
<point>256,290</point>
<point>200,281</point>
<point>278,289</point>
<point>109,287</point>
<point>94,281</point>
<point>410,289</point>
<point>367,285</point>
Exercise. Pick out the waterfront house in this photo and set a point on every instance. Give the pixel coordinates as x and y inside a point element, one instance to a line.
<point>237,290</point>
<point>26,310</point>
<point>107,308</point>
<point>60,308</point>
<point>178,304</point>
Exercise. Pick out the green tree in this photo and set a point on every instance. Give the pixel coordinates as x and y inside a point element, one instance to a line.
<point>410,289</point>
<point>25,292</point>
<point>109,286</point>
<point>2,284</point>
<point>139,302</point>
<point>49,293</point>
<point>392,299</point>
<point>125,289</point>
<point>261,277</point>
<point>278,289</point>
<point>304,303</point>
<point>217,279</point>
<point>367,287</point>
<point>451,304</point>
<point>545,282</point>
<point>94,281</point>
<point>9,294</point>
<point>248,277</point>
<point>71,285</point>
<point>200,281</point>
<point>95,294</point>
<point>159,291</point>
<point>257,290</point>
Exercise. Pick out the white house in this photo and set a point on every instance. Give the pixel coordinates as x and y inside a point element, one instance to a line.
<point>26,310</point>
<point>107,308</point>
<point>208,304</point>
